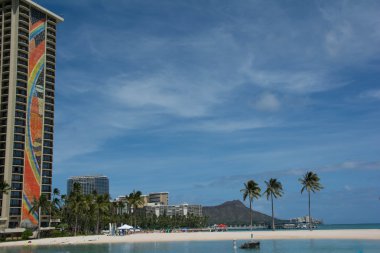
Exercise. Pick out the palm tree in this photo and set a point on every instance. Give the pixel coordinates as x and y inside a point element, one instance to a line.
<point>134,200</point>
<point>274,189</point>
<point>251,190</point>
<point>102,207</point>
<point>75,200</point>
<point>310,182</point>
<point>4,188</point>
<point>40,206</point>
<point>54,204</point>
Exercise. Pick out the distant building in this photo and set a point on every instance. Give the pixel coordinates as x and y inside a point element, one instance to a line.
<point>89,184</point>
<point>305,219</point>
<point>161,198</point>
<point>174,210</point>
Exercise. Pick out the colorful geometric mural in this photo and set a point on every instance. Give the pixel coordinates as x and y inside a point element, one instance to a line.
<point>34,117</point>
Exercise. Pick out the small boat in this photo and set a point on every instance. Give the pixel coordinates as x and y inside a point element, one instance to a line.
<point>250,245</point>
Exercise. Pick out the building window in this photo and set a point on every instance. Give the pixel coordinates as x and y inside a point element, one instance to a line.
<point>15,194</point>
<point>17,161</point>
<point>20,107</point>
<point>19,122</point>
<point>21,84</point>
<point>48,136</point>
<point>20,114</point>
<point>48,151</point>
<point>46,188</point>
<point>16,186</point>
<point>14,211</point>
<point>46,180</point>
<point>46,173</point>
<point>19,137</point>
<point>18,153</point>
<point>18,145</point>
<point>15,202</point>
<point>17,170</point>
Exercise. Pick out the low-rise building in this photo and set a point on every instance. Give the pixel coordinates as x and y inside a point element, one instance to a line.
<point>161,198</point>
<point>173,210</point>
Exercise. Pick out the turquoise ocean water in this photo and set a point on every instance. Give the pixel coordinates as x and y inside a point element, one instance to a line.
<point>267,246</point>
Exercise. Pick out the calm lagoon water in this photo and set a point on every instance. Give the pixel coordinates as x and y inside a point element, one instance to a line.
<point>267,246</point>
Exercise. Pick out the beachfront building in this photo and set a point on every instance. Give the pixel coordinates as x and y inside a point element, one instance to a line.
<point>159,198</point>
<point>173,210</point>
<point>157,203</point>
<point>89,184</point>
<point>305,219</point>
<point>27,85</point>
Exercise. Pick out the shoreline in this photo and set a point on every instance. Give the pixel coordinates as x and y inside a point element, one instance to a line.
<point>347,234</point>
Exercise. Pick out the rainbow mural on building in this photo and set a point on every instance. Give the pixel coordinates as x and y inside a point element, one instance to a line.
<point>34,116</point>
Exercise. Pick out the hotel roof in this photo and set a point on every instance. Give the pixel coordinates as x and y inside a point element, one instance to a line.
<point>39,7</point>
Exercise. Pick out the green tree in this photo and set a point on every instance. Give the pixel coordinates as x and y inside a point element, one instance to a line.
<point>54,204</point>
<point>310,183</point>
<point>102,206</point>
<point>134,201</point>
<point>251,191</point>
<point>40,206</point>
<point>75,204</point>
<point>274,190</point>
<point>4,188</point>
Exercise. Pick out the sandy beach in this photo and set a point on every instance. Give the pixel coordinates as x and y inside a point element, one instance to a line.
<point>358,234</point>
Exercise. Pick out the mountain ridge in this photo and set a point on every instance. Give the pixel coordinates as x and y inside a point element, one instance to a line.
<point>234,212</point>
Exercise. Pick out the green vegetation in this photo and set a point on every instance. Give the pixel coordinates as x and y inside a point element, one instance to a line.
<point>251,190</point>
<point>26,234</point>
<point>310,183</point>
<point>274,189</point>
<point>89,214</point>
<point>4,188</point>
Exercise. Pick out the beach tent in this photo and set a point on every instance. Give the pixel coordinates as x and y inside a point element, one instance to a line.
<point>125,226</point>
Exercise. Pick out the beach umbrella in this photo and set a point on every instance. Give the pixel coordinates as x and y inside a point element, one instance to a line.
<point>125,226</point>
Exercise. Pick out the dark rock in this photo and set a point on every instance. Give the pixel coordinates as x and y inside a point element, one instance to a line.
<point>250,245</point>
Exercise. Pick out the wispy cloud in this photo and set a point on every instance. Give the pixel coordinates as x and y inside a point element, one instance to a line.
<point>373,94</point>
<point>267,102</point>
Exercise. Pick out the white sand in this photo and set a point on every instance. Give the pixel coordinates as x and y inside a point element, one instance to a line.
<point>358,234</point>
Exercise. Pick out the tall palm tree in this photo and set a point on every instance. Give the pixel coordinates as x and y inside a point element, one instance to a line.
<point>134,200</point>
<point>75,200</point>
<point>274,189</point>
<point>310,183</point>
<point>40,206</point>
<point>251,190</point>
<point>54,204</point>
<point>102,206</point>
<point>4,188</point>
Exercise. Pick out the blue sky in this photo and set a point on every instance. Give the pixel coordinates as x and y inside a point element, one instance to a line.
<point>197,97</point>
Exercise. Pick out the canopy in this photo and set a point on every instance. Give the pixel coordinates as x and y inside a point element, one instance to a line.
<point>125,226</point>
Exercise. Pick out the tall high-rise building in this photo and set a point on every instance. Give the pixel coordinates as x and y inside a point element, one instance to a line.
<point>27,80</point>
<point>89,184</point>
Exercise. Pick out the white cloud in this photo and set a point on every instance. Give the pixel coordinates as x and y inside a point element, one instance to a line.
<point>166,93</point>
<point>294,82</point>
<point>347,188</point>
<point>219,125</point>
<point>374,94</point>
<point>267,102</point>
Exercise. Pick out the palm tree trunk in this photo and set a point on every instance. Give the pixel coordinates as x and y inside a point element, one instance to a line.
<point>76,225</point>
<point>250,208</point>
<point>271,196</point>
<point>97,225</point>
<point>309,214</point>
<point>39,223</point>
